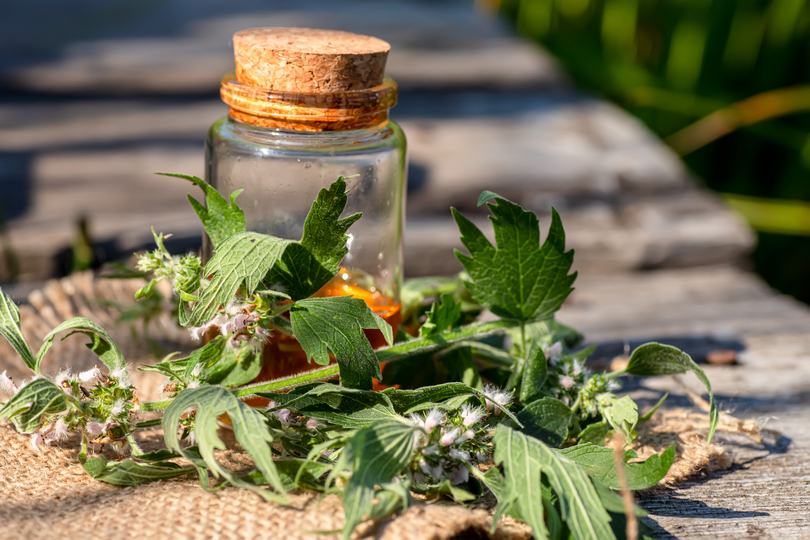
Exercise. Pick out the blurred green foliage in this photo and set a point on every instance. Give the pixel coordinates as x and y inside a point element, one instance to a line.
<point>722,81</point>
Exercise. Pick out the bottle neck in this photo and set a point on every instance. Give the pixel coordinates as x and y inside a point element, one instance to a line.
<point>292,111</point>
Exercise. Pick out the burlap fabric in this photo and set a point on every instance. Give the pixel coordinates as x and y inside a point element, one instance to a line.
<point>47,494</point>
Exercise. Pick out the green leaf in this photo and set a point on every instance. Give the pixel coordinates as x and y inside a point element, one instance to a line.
<point>102,344</point>
<point>375,455</point>
<point>36,398</point>
<point>657,359</point>
<point>10,329</point>
<point>600,465</point>
<point>519,279</point>
<point>295,473</point>
<point>535,374</point>
<point>336,325</point>
<point>244,258</point>
<point>523,459</point>
<point>204,356</point>
<point>522,483</point>
<point>614,504</point>
<point>621,413</point>
<point>235,367</point>
<point>308,265</point>
<point>130,473</point>
<point>442,317</point>
<point>546,419</point>
<point>488,196</point>
<point>220,219</point>
<point>651,412</point>
<point>594,433</point>
<point>249,425</point>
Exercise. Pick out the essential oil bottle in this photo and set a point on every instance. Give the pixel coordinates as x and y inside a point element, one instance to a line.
<point>305,107</point>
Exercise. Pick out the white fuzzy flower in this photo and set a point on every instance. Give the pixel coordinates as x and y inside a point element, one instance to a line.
<point>64,377</point>
<point>92,374</point>
<point>434,419</point>
<point>121,375</point>
<point>94,429</point>
<point>193,384</point>
<point>567,381</point>
<point>431,450</point>
<point>468,435</point>
<point>553,353</point>
<point>449,437</point>
<point>117,408</point>
<point>496,396</point>
<point>216,322</point>
<point>197,371</point>
<point>461,455</point>
<point>459,475</point>
<point>57,432</point>
<point>36,438</point>
<point>416,421</point>
<point>481,457</point>
<point>577,368</point>
<point>438,471</point>
<point>425,467</point>
<point>7,385</point>
<point>471,415</point>
<point>312,423</point>
<point>418,440</point>
<point>285,417</point>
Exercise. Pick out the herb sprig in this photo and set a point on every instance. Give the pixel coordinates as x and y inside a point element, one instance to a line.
<point>505,406</point>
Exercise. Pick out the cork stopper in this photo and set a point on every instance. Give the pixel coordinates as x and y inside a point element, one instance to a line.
<point>308,61</point>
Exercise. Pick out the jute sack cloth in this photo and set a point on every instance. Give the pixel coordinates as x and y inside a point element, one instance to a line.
<point>47,494</point>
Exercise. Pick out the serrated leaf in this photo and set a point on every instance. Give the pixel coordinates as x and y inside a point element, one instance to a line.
<point>308,265</point>
<point>600,465</point>
<point>244,258</point>
<point>249,425</point>
<point>442,317</point>
<point>36,398</point>
<point>375,455</point>
<point>656,359</point>
<point>535,373</point>
<point>336,324</point>
<point>518,279</point>
<point>102,344</point>
<point>522,480</point>
<point>621,413</point>
<point>220,219</point>
<point>10,329</point>
<point>546,419</point>
<point>523,458</point>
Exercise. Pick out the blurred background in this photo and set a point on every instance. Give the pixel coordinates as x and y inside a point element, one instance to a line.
<point>665,131</point>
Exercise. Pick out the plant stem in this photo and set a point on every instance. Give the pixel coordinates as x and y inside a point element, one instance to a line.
<point>388,354</point>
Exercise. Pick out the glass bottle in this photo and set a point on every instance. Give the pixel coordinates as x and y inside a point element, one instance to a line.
<point>305,107</point>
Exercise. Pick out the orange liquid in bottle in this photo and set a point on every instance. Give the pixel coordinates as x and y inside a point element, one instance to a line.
<point>283,355</point>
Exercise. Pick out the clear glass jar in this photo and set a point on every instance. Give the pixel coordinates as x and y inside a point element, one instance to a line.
<point>281,148</point>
